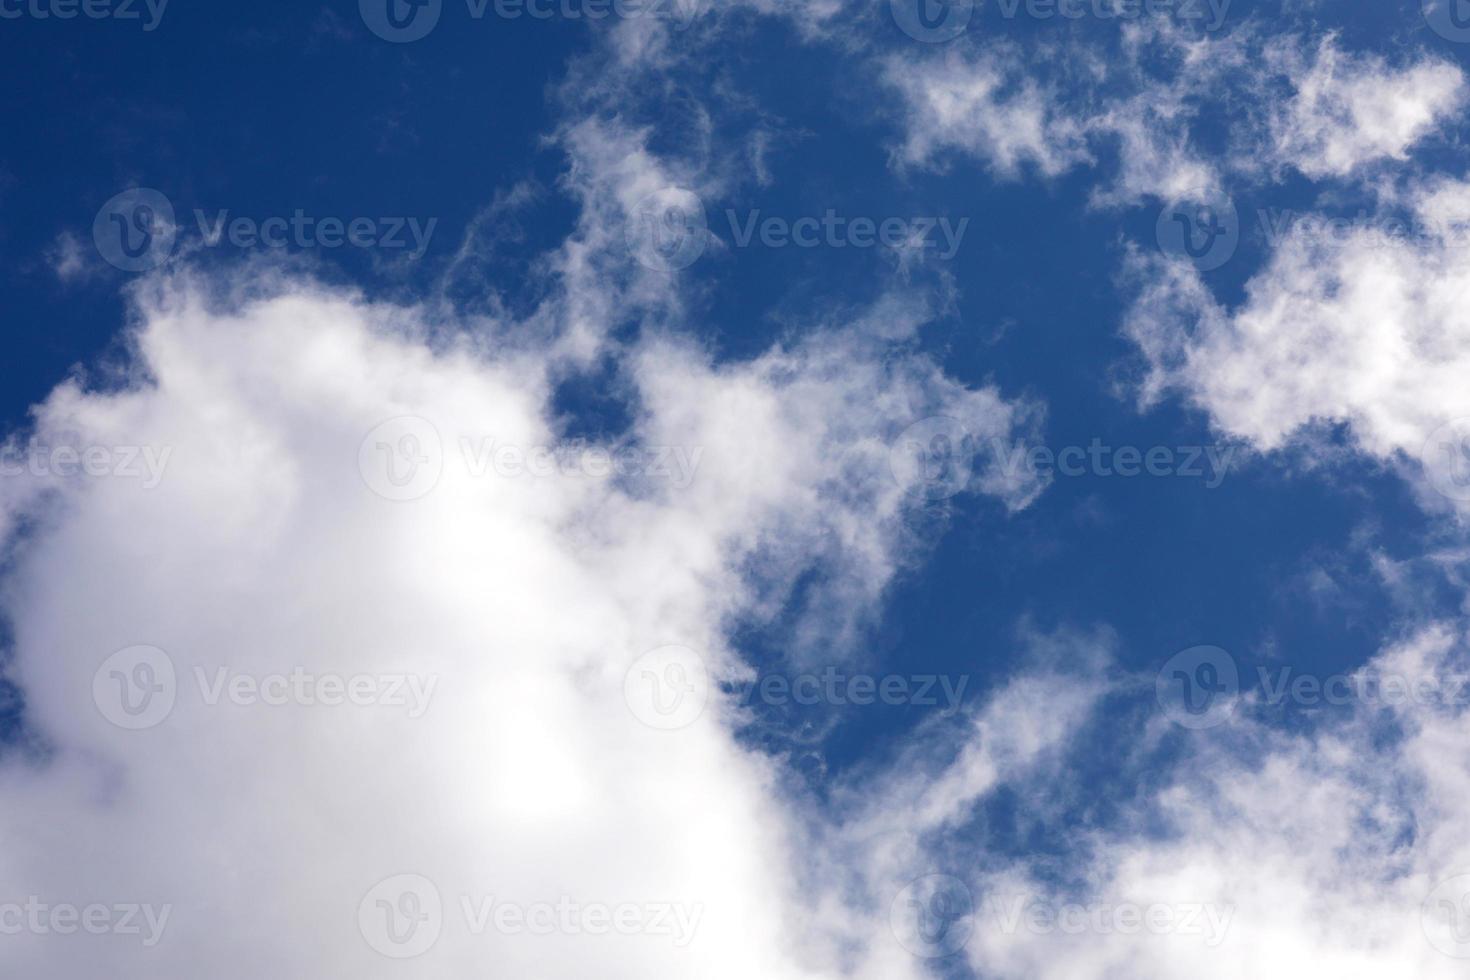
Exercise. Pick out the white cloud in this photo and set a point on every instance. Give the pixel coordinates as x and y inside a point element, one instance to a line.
<point>1364,327</point>
<point>986,106</point>
<point>1349,111</point>
<point>527,778</point>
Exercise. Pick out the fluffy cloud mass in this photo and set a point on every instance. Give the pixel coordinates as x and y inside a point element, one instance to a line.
<point>293,533</point>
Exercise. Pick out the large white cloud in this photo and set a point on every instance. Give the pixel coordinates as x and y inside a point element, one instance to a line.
<point>270,545</point>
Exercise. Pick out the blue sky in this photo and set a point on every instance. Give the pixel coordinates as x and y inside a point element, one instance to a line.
<point>577,233</point>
